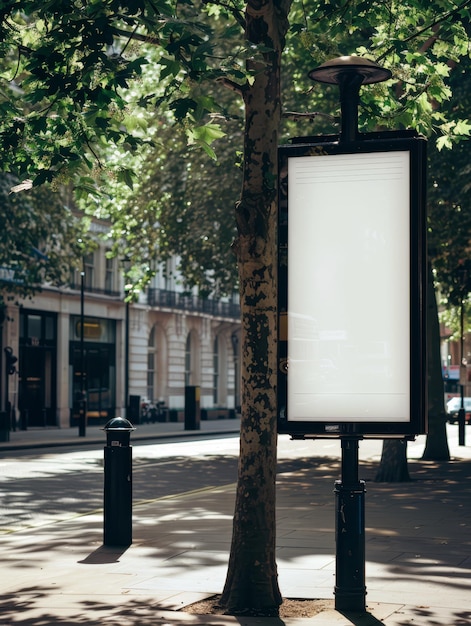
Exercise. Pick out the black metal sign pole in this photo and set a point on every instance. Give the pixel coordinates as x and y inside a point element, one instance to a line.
<point>350,587</point>
<point>350,590</point>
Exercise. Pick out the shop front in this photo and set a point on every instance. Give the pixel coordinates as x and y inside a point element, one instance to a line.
<point>37,380</point>
<point>92,368</point>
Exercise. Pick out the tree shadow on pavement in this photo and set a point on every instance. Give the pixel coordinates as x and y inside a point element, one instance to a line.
<point>33,610</point>
<point>177,535</point>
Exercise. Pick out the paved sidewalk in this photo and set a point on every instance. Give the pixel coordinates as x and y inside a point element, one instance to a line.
<point>53,437</point>
<point>418,554</point>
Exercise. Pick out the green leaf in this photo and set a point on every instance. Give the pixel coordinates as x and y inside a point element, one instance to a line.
<point>168,68</point>
<point>207,133</point>
<point>126,176</point>
<point>462,128</point>
<point>182,107</point>
<point>444,142</point>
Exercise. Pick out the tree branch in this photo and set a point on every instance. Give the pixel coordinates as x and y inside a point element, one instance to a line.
<point>233,86</point>
<point>151,39</point>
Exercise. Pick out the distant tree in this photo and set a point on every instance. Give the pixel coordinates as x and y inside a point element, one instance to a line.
<point>39,240</point>
<point>436,445</point>
<point>449,202</point>
<point>181,207</point>
<point>449,245</point>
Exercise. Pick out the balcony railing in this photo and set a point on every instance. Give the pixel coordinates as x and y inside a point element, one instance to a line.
<point>97,290</point>
<point>185,302</point>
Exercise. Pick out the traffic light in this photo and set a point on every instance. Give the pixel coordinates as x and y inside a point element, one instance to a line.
<point>11,359</point>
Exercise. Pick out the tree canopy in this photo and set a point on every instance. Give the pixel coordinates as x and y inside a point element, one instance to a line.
<point>89,92</point>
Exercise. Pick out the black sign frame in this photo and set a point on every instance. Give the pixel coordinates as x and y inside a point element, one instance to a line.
<point>415,422</point>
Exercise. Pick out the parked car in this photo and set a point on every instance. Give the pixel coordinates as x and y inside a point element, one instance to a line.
<point>454,405</point>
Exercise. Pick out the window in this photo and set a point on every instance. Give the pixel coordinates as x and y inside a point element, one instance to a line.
<point>89,268</point>
<point>38,329</point>
<point>109,275</point>
<point>34,328</point>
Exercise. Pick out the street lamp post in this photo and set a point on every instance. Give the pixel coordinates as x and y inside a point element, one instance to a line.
<point>350,73</point>
<point>126,359</point>
<point>126,263</point>
<point>82,402</point>
<point>462,412</point>
<point>464,290</point>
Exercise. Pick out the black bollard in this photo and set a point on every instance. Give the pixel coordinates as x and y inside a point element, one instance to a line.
<point>461,427</point>
<point>192,408</point>
<point>117,506</point>
<point>82,414</point>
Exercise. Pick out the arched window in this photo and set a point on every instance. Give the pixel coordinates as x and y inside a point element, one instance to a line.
<point>192,368</point>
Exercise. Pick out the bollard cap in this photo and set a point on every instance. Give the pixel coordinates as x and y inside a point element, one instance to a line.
<point>119,423</point>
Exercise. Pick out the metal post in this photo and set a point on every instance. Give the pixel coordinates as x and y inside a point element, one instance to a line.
<point>4,421</point>
<point>461,412</point>
<point>82,402</point>
<point>350,589</point>
<point>5,416</point>
<point>350,73</point>
<point>349,84</point>
<point>126,358</point>
<point>117,500</point>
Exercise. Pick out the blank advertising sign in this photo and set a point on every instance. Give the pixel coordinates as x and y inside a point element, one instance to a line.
<point>352,246</point>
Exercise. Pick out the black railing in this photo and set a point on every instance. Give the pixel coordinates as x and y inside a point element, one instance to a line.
<point>102,292</point>
<point>185,302</point>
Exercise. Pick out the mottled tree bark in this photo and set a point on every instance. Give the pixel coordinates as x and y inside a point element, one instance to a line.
<point>393,465</point>
<point>252,581</point>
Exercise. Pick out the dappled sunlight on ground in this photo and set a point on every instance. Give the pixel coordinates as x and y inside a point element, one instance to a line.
<point>418,545</point>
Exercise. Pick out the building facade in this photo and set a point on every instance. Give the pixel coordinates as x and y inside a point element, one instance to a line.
<point>85,341</point>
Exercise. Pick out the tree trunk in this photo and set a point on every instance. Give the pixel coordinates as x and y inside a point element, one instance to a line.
<point>252,580</point>
<point>393,465</point>
<point>436,447</point>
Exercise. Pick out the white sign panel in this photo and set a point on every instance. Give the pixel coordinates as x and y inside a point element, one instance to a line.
<point>349,289</point>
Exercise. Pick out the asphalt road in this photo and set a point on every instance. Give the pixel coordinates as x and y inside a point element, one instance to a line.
<point>39,486</point>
